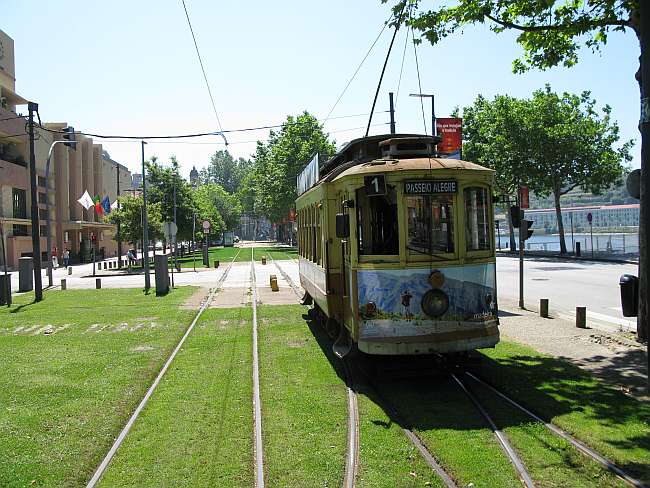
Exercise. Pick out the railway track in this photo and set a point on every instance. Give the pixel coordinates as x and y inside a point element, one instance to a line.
<point>257,404</point>
<point>129,424</point>
<point>352,451</point>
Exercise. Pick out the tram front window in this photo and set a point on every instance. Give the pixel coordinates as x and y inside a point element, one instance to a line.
<point>377,223</point>
<point>476,219</point>
<point>430,223</point>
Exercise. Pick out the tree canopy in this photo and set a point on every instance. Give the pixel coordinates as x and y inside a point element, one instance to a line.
<point>270,188</point>
<point>212,199</point>
<point>129,218</point>
<point>225,171</point>
<point>551,143</point>
<point>551,32</point>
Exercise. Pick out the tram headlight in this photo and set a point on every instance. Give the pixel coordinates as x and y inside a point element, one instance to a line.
<point>435,303</point>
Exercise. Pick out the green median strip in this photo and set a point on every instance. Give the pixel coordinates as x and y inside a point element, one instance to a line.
<point>74,367</point>
<point>612,423</point>
<point>453,431</point>
<point>304,403</point>
<point>196,429</point>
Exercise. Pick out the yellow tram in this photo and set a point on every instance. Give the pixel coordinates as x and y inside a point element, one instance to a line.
<point>396,249</point>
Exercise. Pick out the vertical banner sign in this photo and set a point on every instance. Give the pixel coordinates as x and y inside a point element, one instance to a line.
<point>292,215</point>
<point>451,131</point>
<point>308,177</point>
<point>523,192</point>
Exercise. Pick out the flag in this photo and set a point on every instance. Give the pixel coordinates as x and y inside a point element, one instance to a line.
<point>86,200</point>
<point>114,205</point>
<point>98,205</point>
<point>106,205</point>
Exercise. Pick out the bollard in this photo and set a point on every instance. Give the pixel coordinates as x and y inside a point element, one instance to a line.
<point>543,307</point>
<point>98,283</point>
<point>69,270</point>
<point>263,259</point>
<point>64,285</point>
<point>577,249</point>
<point>581,317</point>
<point>274,283</point>
<point>216,264</point>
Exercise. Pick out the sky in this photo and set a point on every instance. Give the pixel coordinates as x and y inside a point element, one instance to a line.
<point>130,68</point>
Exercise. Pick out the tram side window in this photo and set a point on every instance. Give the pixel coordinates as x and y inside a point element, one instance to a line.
<point>377,229</point>
<point>430,223</point>
<point>477,231</point>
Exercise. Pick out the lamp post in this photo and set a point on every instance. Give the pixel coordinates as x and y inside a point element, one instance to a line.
<point>4,262</point>
<point>433,109</point>
<point>145,225</point>
<point>194,231</point>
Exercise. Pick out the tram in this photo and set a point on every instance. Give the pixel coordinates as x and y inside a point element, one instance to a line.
<point>396,250</point>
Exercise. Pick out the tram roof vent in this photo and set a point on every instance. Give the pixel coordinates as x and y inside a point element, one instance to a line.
<point>401,147</point>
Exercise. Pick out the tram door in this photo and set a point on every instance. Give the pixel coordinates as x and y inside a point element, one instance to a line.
<point>346,293</point>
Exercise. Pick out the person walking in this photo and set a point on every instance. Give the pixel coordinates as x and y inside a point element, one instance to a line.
<point>66,258</point>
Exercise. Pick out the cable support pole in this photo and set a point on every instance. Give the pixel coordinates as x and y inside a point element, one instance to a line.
<point>36,239</point>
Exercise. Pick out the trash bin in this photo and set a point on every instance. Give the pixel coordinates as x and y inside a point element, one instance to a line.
<point>577,249</point>
<point>5,289</point>
<point>629,295</point>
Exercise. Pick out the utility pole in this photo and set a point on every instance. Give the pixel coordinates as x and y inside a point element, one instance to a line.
<point>643,324</point>
<point>521,249</point>
<point>36,239</point>
<point>145,226</point>
<point>119,236</point>
<point>392,112</point>
<point>175,242</point>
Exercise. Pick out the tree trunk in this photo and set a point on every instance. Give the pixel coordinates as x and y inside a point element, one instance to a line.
<point>511,231</point>
<point>560,224</point>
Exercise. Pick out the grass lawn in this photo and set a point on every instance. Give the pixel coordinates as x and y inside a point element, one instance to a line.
<point>610,422</point>
<point>304,403</point>
<point>276,252</point>
<point>197,428</point>
<point>222,254</point>
<point>66,394</point>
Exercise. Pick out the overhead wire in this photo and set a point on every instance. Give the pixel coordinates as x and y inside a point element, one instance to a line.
<point>205,77</point>
<point>401,69</point>
<point>358,68</point>
<point>417,67</point>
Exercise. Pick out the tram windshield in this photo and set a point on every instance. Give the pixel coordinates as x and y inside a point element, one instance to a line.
<point>477,234</point>
<point>430,223</point>
<point>377,229</point>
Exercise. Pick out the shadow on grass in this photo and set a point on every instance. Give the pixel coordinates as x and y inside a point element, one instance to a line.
<point>550,387</point>
<point>19,308</point>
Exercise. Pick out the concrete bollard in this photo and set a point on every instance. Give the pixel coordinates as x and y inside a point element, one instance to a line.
<point>69,270</point>
<point>98,283</point>
<point>25,274</point>
<point>543,307</point>
<point>274,283</point>
<point>581,317</point>
<point>64,285</point>
<point>216,264</point>
<point>263,259</point>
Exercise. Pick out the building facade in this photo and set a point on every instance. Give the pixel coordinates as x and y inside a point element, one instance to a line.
<point>602,217</point>
<point>72,172</point>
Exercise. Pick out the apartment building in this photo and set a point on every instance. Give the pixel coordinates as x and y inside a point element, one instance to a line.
<point>72,172</point>
<point>602,217</point>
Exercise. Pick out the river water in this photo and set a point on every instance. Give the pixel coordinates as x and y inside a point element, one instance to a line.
<point>616,243</point>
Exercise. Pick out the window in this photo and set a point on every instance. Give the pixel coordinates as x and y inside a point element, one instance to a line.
<point>42,198</point>
<point>20,230</point>
<point>377,230</point>
<point>43,230</point>
<point>42,214</point>
<point>19,203</point>
<point>430,223</point>
<point>41,181</point>
<point>477,232</point>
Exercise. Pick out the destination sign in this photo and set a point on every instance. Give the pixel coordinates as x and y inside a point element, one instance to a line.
<point>429,187</point>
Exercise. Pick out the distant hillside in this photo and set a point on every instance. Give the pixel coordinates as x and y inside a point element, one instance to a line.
<point>616,195</point>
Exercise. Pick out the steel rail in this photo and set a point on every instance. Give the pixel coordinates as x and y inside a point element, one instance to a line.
<point>507,448</point>
<point>257,406</point>
<point>352,456</point>
<point>567,437</point>
<point>122,435</point>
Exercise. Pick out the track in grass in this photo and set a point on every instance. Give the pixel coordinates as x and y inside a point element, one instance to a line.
<point>257,406</point>
<point>609,465</point>
<point>352,455</point>
<point>120,438</point>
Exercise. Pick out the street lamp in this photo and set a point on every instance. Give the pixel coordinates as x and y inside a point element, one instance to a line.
<point>194,231</point>
<point>433,109</point>
<point>145,226</point>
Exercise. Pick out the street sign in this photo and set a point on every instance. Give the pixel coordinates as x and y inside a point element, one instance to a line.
<point>523,192</point>
<point>206,225</point>
<point>633,184</point>
<point>589,217</point>
<point>169,229</point>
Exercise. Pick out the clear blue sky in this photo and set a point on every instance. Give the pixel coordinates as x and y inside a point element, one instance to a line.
<point>130,68</point>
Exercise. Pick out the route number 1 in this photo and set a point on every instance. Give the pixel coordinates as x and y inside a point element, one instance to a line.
<point>375,185</point>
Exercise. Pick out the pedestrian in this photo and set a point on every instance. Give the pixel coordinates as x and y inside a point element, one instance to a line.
<point>66,258</point>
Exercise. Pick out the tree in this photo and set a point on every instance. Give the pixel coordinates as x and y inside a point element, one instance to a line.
<point>277,163</point>
<point>215,199</point>
<point>224,170</point>
<point>160,189</point>
<point>206,209</point>
<point>129,218</point>
<point>550,143</point>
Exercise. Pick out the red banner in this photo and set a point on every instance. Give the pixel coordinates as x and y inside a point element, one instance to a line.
<point>292,215</point>
<point>451,131</point>
<point>523,192</point>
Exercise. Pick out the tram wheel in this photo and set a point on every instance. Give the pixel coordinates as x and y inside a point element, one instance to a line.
<point>332,328</point>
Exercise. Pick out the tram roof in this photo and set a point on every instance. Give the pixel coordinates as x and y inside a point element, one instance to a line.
<point>410,164</point>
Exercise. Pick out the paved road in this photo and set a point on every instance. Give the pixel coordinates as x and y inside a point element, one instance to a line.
<point>568,284</point>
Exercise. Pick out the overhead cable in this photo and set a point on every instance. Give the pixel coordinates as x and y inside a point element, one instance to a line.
<point>417,67</point>
<point>205,77</point>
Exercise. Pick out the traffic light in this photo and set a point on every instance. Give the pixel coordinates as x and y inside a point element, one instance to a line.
<point>70,137</point>
<point>515,216</point>
<point>526,230</point>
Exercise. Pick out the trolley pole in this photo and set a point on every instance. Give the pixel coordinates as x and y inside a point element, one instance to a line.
<point>392,112</point>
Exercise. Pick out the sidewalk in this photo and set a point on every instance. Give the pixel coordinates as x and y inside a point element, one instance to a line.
<point>614,357</point>
<point>586,256</point>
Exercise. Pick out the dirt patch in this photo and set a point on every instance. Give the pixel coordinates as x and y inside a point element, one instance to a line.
<point>142,349</point>
<point>195,301</point>
<point>298,343</point>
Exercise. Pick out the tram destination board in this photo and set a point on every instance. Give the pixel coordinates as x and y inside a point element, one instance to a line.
<point>430,187</point>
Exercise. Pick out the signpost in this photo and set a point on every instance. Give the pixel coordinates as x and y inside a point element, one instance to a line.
<point>169,230</point>
<point>590,219</point>
<point>206,233</point>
